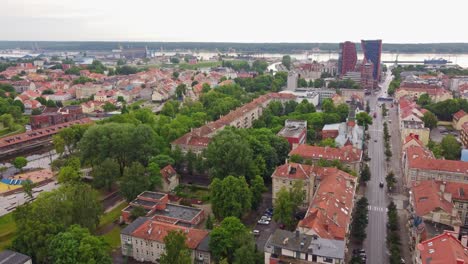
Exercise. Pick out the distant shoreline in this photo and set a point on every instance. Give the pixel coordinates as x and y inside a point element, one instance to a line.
<point>228,47</point>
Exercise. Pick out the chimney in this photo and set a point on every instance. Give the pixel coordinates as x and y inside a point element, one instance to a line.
<point>464,240</point>
<point>442,187</point>
<point>460,261</point>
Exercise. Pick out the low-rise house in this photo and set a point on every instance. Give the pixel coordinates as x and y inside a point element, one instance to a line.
<point>411,140</point>
<point>415,90</point>
<point>286,175</point>
<point>444,248</point>
<point>345,134</point>
<point>295,132</point>
<point>170,179</point>
<point>158,207</point>
<point>12,257</point>
<point>420,164</point>
<point>459,118</point>
<point>143,240</point>
<point>60,96</point>
<point>293,247</point>
<point>350,157</point>
<point>329,213</point>
<point>415,128</point>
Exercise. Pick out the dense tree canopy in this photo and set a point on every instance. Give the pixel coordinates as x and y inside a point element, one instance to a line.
<point>451,149</point>
<point>230,196</point>
<point>176,250</point>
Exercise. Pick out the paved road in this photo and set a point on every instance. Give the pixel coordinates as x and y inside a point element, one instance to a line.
<point>375,244</point>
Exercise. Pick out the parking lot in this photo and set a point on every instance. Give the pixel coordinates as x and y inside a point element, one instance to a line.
<point>438,133</point>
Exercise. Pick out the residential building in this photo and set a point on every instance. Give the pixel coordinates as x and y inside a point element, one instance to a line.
<point>323,93</point>
<point>420,164</point>
<point>295,132</point>
<point>372,50</point>
<point>348,155</point>
<point>243,117</point>
<point>287,174</point>
<point>170,178</point>
<point>60,96</point>
<point>329,213</point>
<point>459,118</point>
<point>464,135</point>
<point>331,130</point>
<point>415,128</point>
<point>411,140</point>
<point>444,248</point>
<point>311,96</point>
<point>353,75</point>
<point>348,57</point>
<point>293,247</point>
<point>158,207</point>
<point>415,90</point>
<point>12,257</point>
<point>54,116</point>
<point>429,202</point>
<point>143,240</point>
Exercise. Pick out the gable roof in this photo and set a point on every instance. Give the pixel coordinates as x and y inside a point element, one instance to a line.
<point>458,115</point>
<point>428,198</point>
<point>442,249</point>
<point>422,159</point>
<point>293,170</point>
<point>346,153</point>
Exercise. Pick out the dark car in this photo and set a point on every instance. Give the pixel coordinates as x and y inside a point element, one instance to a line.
<point>381,184</point>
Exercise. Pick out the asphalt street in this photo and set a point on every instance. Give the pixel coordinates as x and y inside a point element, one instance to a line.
<point>375,244</point>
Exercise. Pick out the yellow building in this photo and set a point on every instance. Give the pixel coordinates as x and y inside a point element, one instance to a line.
<point>459,118</point>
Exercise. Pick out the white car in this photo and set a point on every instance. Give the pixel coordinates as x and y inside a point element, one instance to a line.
<point>263,222</point>
<point>265,217</point>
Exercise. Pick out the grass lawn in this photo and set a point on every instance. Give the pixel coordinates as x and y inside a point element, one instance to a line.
<point>113,237</point>
<point>193,192</point>
<point>111,216</point>
<point>7,230</point>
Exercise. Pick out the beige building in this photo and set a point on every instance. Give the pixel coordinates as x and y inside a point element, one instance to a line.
<point>459,118</point>
<point>415,90</point>
<point>416,129</point>
<point>143,240</point>
<point>286,175</point>
<point>420,164</point>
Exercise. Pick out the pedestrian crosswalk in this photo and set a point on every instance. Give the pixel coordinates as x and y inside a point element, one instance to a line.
<point>376,208</point>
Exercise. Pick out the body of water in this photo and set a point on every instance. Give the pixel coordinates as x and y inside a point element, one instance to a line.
<point>460,59</point>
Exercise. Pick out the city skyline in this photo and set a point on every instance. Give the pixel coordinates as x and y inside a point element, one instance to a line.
<point>209,21</point>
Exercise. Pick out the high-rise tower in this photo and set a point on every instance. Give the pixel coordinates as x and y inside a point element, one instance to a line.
<point>348,57</point>
<point>372,50</point>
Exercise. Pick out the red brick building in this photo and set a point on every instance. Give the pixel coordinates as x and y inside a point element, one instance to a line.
<point>295,132</point>
<point>55,116</point>
<point>348,57</point>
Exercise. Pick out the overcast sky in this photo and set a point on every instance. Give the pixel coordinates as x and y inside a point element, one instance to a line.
<point>394,21</point>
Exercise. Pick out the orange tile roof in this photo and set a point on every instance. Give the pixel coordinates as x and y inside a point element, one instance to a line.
<point>157,231</point>
<point>443,249</point>
<point>168,172</point>
<point>422,159</point>
<point>346,153</point>
<point>329,214</point>
<point>428,198</point>
<point>412,137</point>
<point>459,115</point>
<point>301,171</point>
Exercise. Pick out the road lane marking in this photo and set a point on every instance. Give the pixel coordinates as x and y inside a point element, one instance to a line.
<point>377,208</point>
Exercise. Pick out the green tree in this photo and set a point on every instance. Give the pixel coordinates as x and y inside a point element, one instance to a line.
<point>424,100</point>
<point>284,208</point>
<point>257,187</point>
<point>181,89</point>
<point>365,173</point>
<point>229,154</point>
<point>59,144</point>
<point>364,119</point>
<point>134,181</point>
<point>109,107</point>
<point>155,177</point>
<point>230,196</point>
<point>51,213</point>
<point>327,106</point>
<point>20,163</point>
<point>296,158</point>
<point>28,188</point>
<point>430,120</point>
<point>136,212</point>
<point>176,250</point>
<point>286,61</point>
<point>305,107</point>
<point>328,142</point>
<point>163,160</point>
<point>77,245</point>
<point>391,180</point>
<point>105,174</point>
<point>226,238</point>
<point>451,149</point>
<point>360,220</point>
<point>68,174</point>
<point>342,110</point>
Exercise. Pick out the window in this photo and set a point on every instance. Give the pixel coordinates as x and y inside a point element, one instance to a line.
<point>328,260</point>
<point>284,181</point>
<point>460,205</point>
<point>137,250</point>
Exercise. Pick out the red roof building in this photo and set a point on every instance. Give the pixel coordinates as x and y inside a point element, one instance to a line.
<point>348,155</point>
<point>329,213</point>
<point>442,249</point>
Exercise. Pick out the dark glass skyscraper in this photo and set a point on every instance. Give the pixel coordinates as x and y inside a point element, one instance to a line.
<point>348,57</point>
<point>372,50</point>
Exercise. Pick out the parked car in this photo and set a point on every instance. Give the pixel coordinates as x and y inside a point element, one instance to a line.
<point>256,232</point>
<point>381,184</point>
<point>266,217</point>
<point>263,222</point>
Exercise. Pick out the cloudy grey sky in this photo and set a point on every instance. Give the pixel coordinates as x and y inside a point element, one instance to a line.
<point>395,21</point>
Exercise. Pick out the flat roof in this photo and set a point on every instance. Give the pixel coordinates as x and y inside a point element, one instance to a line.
<point>12,257</point>
<point>179,212</point>
<point>152,195</point>
<point>143,202</point>
<point>130,208</point>
<point>293,128</point>
<point>128,230</point>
